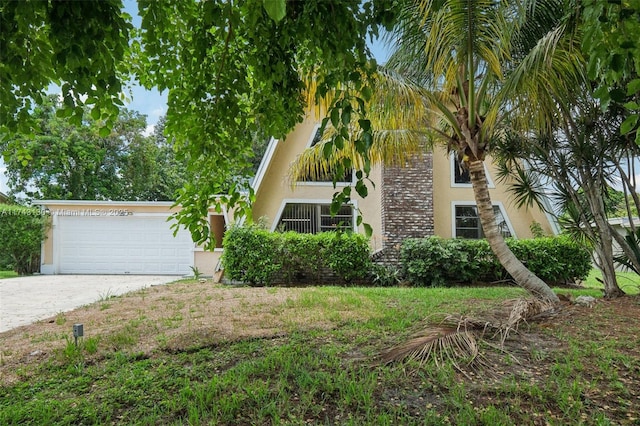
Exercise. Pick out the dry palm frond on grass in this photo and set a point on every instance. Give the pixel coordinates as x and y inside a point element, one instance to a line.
<point>457,339</point>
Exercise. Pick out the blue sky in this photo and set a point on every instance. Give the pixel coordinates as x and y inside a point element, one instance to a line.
<point>153,103</point>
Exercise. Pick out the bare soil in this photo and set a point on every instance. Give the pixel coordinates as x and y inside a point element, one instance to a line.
<point>174,317</point>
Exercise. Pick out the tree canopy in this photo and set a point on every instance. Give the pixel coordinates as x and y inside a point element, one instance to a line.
<point>611,41</point>
<point>230,67</point>
<point>61,160</point>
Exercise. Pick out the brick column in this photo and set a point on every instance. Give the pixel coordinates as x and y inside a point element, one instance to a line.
<point>407,204</point>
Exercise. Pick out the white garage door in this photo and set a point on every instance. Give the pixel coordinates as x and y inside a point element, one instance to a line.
<point>121,245</point>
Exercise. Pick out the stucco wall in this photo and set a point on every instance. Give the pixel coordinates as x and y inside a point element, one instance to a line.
<point>276,189</point>
<point>446,195</point>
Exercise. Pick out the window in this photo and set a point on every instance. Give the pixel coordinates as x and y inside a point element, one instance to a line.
<point>467,222</point>
<point>460,174</point>
<point>314,218</point>
<point>326,176</point>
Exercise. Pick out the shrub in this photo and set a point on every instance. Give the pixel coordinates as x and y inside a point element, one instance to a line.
<point>301,256</point>
<point>249,255</point>
<point>259,257</point>
<point>436,261</point>
<point>346,254</point>
<point>385,275</point>
<point>555,260</point>
<point>22,230</point>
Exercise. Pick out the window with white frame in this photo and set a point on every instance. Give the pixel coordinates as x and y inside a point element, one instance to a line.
<point>326,176</point>
<point>467,222</point>
<point>460,174</point>
<point>313,218</point>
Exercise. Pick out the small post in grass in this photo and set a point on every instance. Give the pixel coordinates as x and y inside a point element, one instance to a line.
<point>78,331</point>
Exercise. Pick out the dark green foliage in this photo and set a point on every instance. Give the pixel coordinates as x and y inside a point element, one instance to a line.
<point>612,48</point>
<point>260,257</point>
<point>250,255</point>
<point>556,260</point>
<point>22,230</point>
<point>62,160</point>
<point>346,254</point>
<point>436,261</point>
<point>81,45</point>
<point>231,69</point>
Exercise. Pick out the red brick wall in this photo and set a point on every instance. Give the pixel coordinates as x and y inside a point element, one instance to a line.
<point>407,204</point>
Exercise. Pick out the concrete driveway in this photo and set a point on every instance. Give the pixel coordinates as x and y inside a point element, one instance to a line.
<point>25,300</point>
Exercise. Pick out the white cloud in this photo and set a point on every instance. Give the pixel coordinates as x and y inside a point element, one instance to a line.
<point>149,130</point>
<point>158,112</point>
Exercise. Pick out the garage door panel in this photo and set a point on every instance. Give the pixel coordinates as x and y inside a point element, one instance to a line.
<point>122,245</point>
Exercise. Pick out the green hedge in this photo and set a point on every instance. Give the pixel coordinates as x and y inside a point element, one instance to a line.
<point>436,261</point>
<point>22,230</point>
<point>259,257</point>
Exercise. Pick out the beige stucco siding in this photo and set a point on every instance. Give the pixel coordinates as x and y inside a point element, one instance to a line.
<point>446,195</point>
<point>275,188</point>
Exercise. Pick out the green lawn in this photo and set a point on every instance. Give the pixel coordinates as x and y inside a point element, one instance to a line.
<point>629,282</point>
<point>7,274</point>
<point>311,374</point>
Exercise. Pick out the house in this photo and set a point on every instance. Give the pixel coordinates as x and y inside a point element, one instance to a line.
<point>430,196</point>
<point>4,198</point>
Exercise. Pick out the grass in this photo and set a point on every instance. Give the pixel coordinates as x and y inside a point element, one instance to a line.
<point>629,282</point>
<point>312,375</point>
<point>7,274</point>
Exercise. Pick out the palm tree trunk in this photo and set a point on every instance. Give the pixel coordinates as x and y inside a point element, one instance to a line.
<point>523,276</point>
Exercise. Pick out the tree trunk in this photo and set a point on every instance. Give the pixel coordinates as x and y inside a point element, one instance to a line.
<point>523,277</point>
<point>604,245</point>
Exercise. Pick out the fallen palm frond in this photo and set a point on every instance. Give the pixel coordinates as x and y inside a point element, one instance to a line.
<point>441,345</point>
<point>457,338</point>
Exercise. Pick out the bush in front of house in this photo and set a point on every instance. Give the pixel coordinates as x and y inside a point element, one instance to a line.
<point>250,255</point>
<point>437,261</point>
<point>346,254</point>
<point>259,257</point>
<point>22,230</point>
<point>555,260</point>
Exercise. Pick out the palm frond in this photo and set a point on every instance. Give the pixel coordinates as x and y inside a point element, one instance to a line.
<point>457,340</point>
<point>439,345</point>
<point>551,71</point>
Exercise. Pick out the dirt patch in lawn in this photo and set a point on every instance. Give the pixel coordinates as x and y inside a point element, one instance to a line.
<point>166,317</point>
<point>191,315</point>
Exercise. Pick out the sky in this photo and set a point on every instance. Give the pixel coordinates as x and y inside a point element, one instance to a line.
<point>153,103</point>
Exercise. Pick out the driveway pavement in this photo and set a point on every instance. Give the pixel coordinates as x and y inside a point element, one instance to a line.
<point>25,300</point>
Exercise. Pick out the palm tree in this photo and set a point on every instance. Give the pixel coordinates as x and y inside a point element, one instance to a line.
<point>456,73</point>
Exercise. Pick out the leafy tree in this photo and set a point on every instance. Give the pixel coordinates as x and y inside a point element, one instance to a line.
<point>577,163</point>
<point>611,43</point>
<point>228,65</point>
<point>80,45</point>
<point>66,161</point>
<point>22,230</point>
<point>456,73</point>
